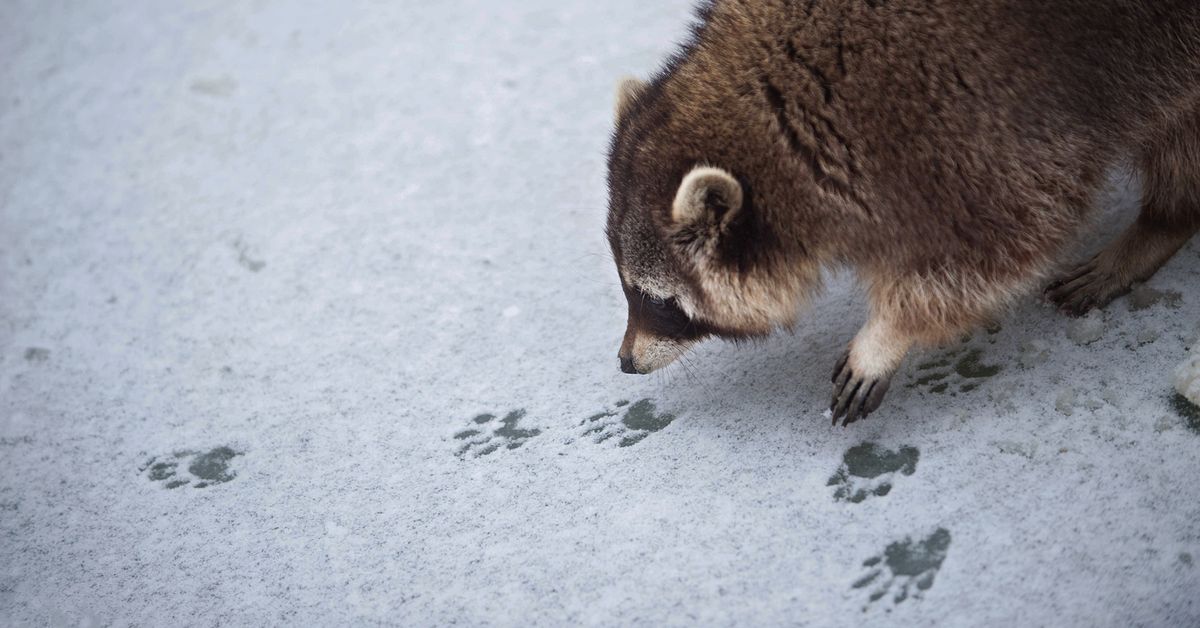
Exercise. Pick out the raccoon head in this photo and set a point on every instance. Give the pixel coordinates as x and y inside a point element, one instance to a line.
<point>695,255</point>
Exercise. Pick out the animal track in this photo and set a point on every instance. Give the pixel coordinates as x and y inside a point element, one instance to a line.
<point>639,421</point>
<point>185,467</point>
<point>903,565</point>
<point>487,436</point>
<point>869,469</point>
<point>962,368</point>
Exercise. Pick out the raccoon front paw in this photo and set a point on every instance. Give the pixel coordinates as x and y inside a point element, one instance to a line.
<point>1088,286</point>
<point>854,395</point>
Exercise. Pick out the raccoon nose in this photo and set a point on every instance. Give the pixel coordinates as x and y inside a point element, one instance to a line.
<point>627,365</point>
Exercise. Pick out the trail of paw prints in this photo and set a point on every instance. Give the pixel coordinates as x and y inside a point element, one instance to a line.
<point>905,568</point>
<point>638,421</point>
<point>487,435</point>
<point>184,468</point>
<point>869,470</point>
<point>958,370</point>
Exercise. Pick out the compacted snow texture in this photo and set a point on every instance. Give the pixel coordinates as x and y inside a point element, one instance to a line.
<point>307,317</point>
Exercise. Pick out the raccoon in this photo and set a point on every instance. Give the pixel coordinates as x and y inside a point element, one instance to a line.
<point>947,151</point>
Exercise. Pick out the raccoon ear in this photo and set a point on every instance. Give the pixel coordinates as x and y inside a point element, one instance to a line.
<point>628,90</point>
<point>708,195</point>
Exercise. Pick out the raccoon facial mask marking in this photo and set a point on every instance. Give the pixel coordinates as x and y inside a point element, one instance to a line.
<point>659,331</point>
<point>662,318</point>
<point>666,311</point>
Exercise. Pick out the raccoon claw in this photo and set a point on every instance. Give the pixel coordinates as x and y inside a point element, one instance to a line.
<point>840,367</point>
<point>854,397</point>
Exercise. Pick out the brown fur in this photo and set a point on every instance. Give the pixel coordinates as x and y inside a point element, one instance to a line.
<point>947,150</point>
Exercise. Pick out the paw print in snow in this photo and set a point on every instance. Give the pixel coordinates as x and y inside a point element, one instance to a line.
<point>639,421</point>
<point>191,467</point>
<point>903,565</point>
<point>487,436</point>
<point>962,368</point>
<point>869,469</point>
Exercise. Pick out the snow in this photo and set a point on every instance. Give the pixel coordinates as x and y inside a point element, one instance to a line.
<point>343,264</point>
<point>1088,329</point>
<point>1187,378</point>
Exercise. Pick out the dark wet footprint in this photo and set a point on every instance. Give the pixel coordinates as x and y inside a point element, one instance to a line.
<point>905,569</point>
<point>869,469</point>
<point>487,436</point>
<point>183,468</point>
<point>639,421</point>
<point>958,370</point>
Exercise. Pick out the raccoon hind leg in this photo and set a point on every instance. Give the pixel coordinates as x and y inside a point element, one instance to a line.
<point>1169,217</point>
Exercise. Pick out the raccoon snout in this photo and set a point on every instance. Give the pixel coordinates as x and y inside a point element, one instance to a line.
<point>645,360</point>
<point>627,364</point>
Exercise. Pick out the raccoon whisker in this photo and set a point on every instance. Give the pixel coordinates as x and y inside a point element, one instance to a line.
<point>602,255</point>
<point>685,362</point>
<point>597,281</point>
<point>673,375</point>
<point>690,369</point>
<point>718,368</point>
<point>689,374</point>
<point>664,377</point>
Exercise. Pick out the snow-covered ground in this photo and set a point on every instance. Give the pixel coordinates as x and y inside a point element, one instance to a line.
<point>306,317</point>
